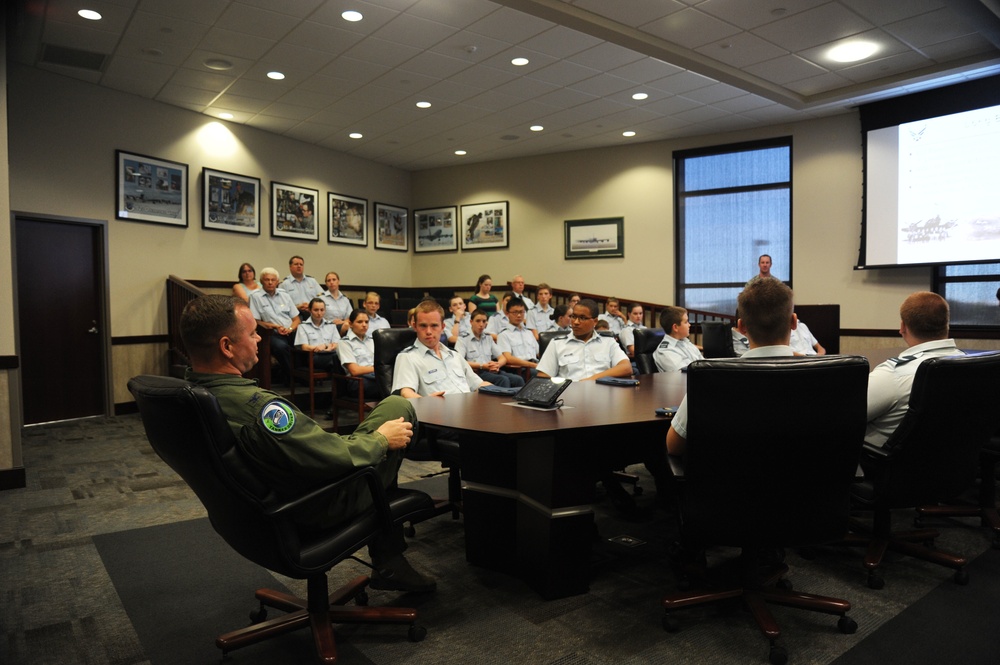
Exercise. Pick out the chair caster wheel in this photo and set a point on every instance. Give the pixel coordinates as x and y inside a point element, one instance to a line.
<point>847,625</point>
<point>783,584</point>
<point>875,581</point>
<point>637,490</point>
<point>258,615</point>
<point>670,624</point>
<point>961,577</point>
<point>416,633</point>
<point>361,599</point>
<point>409,531</point>
<point>778,656</point>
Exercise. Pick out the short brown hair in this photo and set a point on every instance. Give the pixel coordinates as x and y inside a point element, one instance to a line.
<point>765,307</point>
<point>542,286</point>
<point>925,315</point>
<point>671,316</point>
<point>205,320</point>
<point>428,306</point>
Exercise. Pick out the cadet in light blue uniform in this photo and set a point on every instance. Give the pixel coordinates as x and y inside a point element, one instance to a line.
<point>483,355</point>
<point>338,306</point>
<point>357,353</point>
<point>428,367</point>
<point>584,355</point>
<point>517,343</point>
<point>274,309</point>
<point>319,336</point>
<point>300,286</point>
<point>676,351</point>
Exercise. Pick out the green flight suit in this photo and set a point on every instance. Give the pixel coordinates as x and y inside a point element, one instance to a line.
<point>293,454</point>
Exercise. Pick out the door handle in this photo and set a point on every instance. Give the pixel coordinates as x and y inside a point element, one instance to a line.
<point>93,328</point>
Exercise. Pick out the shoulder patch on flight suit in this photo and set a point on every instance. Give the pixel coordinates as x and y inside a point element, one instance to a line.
<point>277,417</point>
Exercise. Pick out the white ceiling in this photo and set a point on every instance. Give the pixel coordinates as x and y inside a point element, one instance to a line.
<point>707,65</point>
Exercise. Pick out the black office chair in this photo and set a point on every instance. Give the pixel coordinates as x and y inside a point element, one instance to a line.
<point>388,343</point>
<point>188,431</point>
<point>545,337</point>
<point>770,470</point>
<point>717,339</point>
<point>932,456</point>
<point>645,342</point>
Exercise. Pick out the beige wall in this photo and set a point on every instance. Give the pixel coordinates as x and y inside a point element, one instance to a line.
<point>635,182</point>
<point>10,419</point>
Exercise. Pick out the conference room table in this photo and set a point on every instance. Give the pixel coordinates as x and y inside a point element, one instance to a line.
<point>529,476</point>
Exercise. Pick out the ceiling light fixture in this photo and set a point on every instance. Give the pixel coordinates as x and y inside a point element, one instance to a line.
<point>629,134</point>
<point>352,16</point>
<point>423,105</point>
<point>536,128</point>
<point>460,152</point>
<point>852,51</point>
<point>639,96</point>
<point>356,135</point>
<point>519,62</point>
<point>89,14</point>
<point>218,64</point>
<point>277,76</point>
<point>226,116</point>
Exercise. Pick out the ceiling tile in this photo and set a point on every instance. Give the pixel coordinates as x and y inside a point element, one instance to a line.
<point>297,8</point>
<point>79,37</point>
<point>381,52</point>
<point>177,94</point>
<point>509,25</point>
<point>271,123</point>
<point>711,94</point>
<point>202,11</point>
<point>258,22</point>
<point>645,70</point>
<point>690,28</point>
<point>560,42</point>
<point>749,15</point>
<point>677,84</point>
<point>741,50</point>
<point>239,103</point>
<point>564,73</point>
<point>413,31</point>
<point>454,13</point>
<point>784,69</point>
<point>881,12</point>
<point>961,47</point>
<point>434,65</point>
<point>603,86</point>
<point>235,44</point>
<point>820,25</point>
<point>632,13</point>
<point>813,85</point>
<point>930,28</point>
<point>869,71</point>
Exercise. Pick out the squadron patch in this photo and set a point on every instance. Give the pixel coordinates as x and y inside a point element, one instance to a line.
<point>277,417</point>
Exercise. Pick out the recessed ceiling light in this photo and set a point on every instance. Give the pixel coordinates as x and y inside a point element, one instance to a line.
<point>460,152</point>
<point>218,64</point>
<point>628,134</point>
<point>89,14</point>
<point>536,128</point>
<point>352,16</point>
<point>423,105</point>
<point>519,62</point>
<point>639,96</point>
<point>356,135</point>
<point>852,51</point>
<point>277,76</point>
<point>226,116</point>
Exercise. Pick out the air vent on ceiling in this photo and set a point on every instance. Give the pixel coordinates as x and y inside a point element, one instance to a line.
<point>509,137</point>
<point>73,57</point>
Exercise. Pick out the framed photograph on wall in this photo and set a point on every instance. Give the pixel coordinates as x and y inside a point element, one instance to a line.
<point>230,202</point>
<point>150,189</point>
<point>485,226</point>
<point>595,238</point>
<point>293,212</point>
<point>434,229</point>
<point>391,230</point>
<point>348,219</point>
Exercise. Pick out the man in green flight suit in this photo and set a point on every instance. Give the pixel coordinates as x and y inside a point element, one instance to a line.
<point>288,449</point>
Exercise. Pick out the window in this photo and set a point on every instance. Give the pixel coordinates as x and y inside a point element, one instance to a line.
<point>733,204</point>
<point>972,291</point>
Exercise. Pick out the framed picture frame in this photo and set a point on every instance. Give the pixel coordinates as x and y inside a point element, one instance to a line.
<point>150,189</point>
<point>293,212</point>
<point>434,229</point>
<point>391,227</point>
<point>230,202</point>
<point>485,226</point>
<point>595,238</point>
<point>347,219</point>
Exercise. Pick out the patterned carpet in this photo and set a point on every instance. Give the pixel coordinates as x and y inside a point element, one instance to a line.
<point>99,478</point>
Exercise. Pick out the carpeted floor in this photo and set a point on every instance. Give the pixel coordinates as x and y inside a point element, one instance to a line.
<point>106,558</point>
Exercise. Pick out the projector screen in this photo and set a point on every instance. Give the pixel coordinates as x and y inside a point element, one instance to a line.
<point>932,189</point>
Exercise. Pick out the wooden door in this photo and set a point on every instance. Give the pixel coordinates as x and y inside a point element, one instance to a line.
<point>61,319</point>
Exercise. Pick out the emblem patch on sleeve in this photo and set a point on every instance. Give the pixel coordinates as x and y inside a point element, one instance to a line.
<point>277,417</point>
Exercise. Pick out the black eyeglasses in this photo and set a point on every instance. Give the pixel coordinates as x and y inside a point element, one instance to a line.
<point>577,317</point>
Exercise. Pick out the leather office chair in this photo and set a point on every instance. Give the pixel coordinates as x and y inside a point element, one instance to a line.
<point>717,339</point>
<point>188,431</point>
<point>986,508</point>
<point>645,342</point>
<point>304,367</point>
<point>388,343</point>
<point>762,478</point>
<point>545,337</point>
<point>932,456</point>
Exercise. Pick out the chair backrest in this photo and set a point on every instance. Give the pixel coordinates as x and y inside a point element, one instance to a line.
<point>388,343</point>
<point>644,343</point>
<point>186,428</point>
<point>545,337</point>
<point>717,339</point>
<point>953,412</point>
<point>772,450</point>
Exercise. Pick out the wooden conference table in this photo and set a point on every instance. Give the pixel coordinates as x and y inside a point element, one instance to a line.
<point>529,476</point>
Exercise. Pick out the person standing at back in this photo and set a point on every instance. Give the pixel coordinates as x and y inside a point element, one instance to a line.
<point>300,286</point>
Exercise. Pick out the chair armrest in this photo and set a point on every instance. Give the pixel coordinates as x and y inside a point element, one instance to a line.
<point>676,465</point>
<point>371,478</point>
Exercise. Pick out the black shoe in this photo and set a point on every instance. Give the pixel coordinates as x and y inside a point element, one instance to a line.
<point>621,499</point>
<point>397,574</point>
